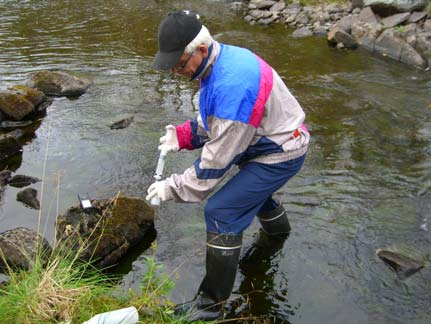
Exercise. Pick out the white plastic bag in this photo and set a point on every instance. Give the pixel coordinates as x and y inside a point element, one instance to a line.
<point>127,315</point>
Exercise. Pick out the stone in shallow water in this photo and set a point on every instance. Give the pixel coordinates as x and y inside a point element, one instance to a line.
<point>9,144</point>
<point>404,266</point>
<point>15,124</point>
<point>58,83</point>
<point>4,177</point>
<point>19,181</point>
<point>302,32</point>
<point>123,123</point>
<point>29,198</point>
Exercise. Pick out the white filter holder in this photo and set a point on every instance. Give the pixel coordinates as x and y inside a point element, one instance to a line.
<point>158,175</point>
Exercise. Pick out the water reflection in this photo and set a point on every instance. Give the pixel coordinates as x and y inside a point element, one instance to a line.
<point>258,289</point>
<point>365,184</point>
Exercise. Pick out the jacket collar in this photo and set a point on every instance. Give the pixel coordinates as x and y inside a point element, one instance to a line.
<point>204,70</point>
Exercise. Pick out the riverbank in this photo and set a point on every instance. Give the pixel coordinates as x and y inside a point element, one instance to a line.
<point>399,32</point>
<point>63,289</point>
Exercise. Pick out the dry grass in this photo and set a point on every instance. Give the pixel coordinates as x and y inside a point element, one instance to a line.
<point>53,300</point>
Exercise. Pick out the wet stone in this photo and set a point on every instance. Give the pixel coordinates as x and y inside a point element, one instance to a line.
<point>17,124</point>
<point>19,181</point>
<point>35,96</point>
<point>15,106</point>
<point>302,32</point>
<point>58,83</point>
<point>9,145</point>
<point>4,177</point>
<point>29,198</point>
<point>337,35</point>
<point>123,123</point>
<point>404,266</point>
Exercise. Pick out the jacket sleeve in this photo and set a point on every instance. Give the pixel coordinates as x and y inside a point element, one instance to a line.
<point>191,135</point>
<point>229,140</point>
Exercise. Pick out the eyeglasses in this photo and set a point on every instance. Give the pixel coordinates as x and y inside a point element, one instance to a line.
<point>182,66</point>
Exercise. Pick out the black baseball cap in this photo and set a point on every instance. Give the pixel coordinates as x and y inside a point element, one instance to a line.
<point>176,31</point>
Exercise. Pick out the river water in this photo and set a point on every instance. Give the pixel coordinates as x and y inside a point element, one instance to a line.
<point>366,183</point>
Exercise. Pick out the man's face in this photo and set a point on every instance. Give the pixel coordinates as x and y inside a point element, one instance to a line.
<point>189,63</point>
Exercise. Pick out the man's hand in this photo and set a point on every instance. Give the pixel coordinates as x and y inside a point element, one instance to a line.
<point>169,141</point>
<point>157,189</point>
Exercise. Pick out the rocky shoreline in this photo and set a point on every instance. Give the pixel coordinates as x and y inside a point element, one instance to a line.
<point>390,28</point>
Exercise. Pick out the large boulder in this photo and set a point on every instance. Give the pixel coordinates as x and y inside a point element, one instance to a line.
<point>388,44</point>
<point>58,83</point>
<point>368,16</point>
<point>18,248</point>
<point>366,34</point>
<point>347,22</point>
<point>423,46</point>
<point>411,57</point>
<point>263,4</point>
<point>389,7</point>
<point>395,20</point>
<point>105,232</point>
<point>417,16</point>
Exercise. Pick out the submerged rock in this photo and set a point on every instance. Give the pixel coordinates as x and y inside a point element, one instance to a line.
<point>4,177</point>
<point>29,198</point>
<point>123,123</point>
<point>404,266</point>
<point>19,181</point>
<point>107,231</point>
<point>19,246</point>
<point>15,124</point>
<point>9,144</point>
<point>58,83</point>
<point>302,32</point>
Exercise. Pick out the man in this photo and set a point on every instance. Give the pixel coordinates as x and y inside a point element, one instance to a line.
<point>248,122</point>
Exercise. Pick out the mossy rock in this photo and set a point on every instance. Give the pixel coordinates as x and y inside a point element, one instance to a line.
<point>15,106</point>
<point>107,231</point>
<point>35,96</point>
<point>58,83</point>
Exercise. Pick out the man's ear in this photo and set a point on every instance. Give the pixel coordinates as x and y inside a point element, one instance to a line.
<point>204,50</point>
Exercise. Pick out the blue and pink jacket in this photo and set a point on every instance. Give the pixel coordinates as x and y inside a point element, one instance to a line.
<point>246,113</point>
